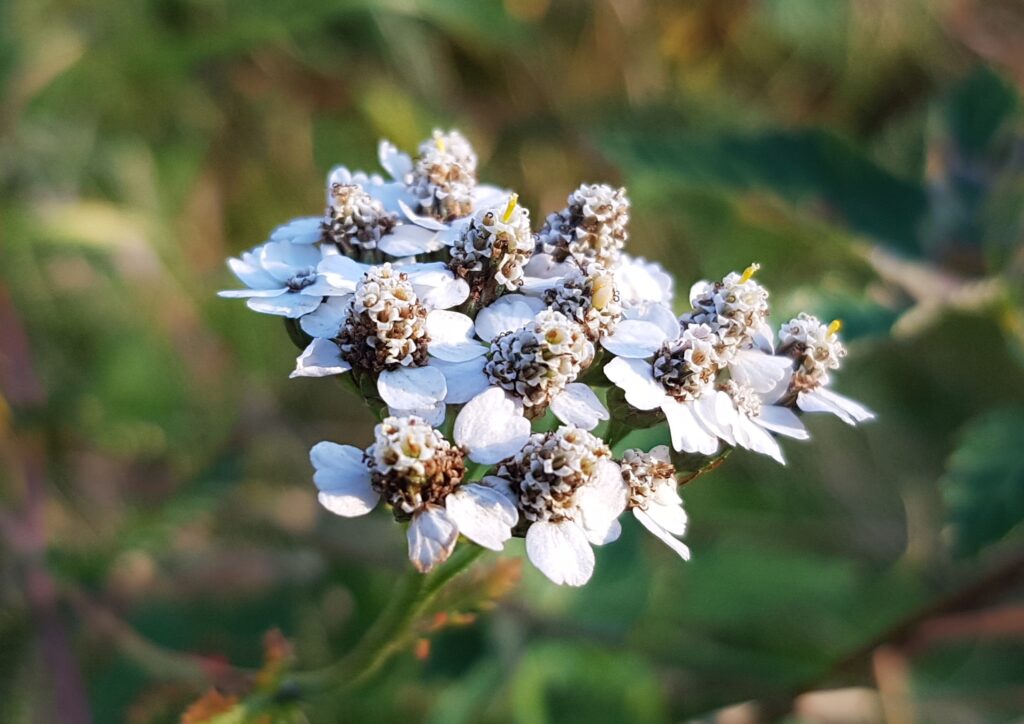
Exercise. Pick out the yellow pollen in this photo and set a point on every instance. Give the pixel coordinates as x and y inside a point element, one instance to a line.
<point>439,142</point>
<point>749,272</point>
<point>834,326</point>
<point>513,201</point>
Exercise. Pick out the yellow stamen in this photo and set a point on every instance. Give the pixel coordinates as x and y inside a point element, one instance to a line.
<point>749,272</point>
<point>439,142</point>
<point>834,327</point>
<point>513,201</point>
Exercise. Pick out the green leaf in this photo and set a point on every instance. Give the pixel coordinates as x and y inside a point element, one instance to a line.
<point>802,167</point>
<point>984,484</point>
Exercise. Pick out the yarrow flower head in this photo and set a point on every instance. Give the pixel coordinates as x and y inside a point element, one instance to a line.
<point>735,308</point>
<point>462,329</point>
<point>592,227</point>
<point>421,475</point>
<point>444,177</point>
<point>651,480</point>
<point>492,250</point>
<point>571,494</point>
<point>815,349</point>
<point>537,362</point>
<point>355,221</point>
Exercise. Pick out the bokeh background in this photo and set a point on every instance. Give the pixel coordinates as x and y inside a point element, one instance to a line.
<point>158,516</point>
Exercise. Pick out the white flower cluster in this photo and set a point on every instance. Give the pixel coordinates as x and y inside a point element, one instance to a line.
<point>507,366</point>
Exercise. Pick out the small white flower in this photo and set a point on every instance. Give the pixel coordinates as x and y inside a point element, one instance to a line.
<point>493,248</point>
<point>572,493</point>
<point>741,416</point>
<point>735,308</point>
<point>816,349</point>
<point>416,471</point>
<point>440,187</point>
<point>651,479</point>
<point>592,227</point>
<point>282,279</point>
<point>673,380</point>
<point>386,331</point>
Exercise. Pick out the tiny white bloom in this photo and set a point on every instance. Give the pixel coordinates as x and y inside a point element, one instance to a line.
<point>282,279</point>
<point>416,471</point>
<point>572,493</point>
<point>814,349</point>
<point>386,331</point>
<point>653,498</point>
<point>592,227</point>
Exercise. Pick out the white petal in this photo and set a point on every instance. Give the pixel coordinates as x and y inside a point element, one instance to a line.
<point>485,196</point>
<point>854,409</point>
<point>436,286</point>
<point>341,272</point>
<point>601,500</point>
<point>657,314</point>
<point>343,479</point>
<point>663,535</point>
<point>326,320</point>
<point>282,259</point>
<point>412,388</point>
<point>716,412</point>
<point>758,370</point>
<point>640,281</point>
<point>634,339</point>
<point>756,438</point>
<point>451,337</point>
<point>465,380</point>
<point>433,415</point>
<point>688,435</point>
<point>289,305</point>
<point>432,535</point>
<point>410,240</point>
<point>321,358</point>
<point>508,313</point>
<point>670,517</point>
<point>427,222</point>
<point>305,230</point>
<point>251,293</point>
<point>578,405</point>
<point>482,514</point>
<point>561,552</point>
<point>821,400</point>
<point>395,162</point>
<point>323,288</point>
<point>636,378</point>
<point>490,428</point>
<point>500,485</point>
<point>783,421</point>
<point>251,274</point>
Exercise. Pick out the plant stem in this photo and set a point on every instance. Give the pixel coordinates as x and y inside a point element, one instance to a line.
<point>391,631</point>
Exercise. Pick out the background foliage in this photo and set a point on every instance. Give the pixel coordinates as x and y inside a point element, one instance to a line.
<point>158,515</point>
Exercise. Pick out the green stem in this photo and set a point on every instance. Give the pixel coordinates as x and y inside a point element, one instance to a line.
<point>390,633</point>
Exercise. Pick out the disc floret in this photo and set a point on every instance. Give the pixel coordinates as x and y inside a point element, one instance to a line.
<point>592,227</point>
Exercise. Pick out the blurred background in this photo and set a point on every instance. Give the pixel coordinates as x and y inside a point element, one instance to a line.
<point>159,527</point>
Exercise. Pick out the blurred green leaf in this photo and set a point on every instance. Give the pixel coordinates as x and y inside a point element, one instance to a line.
<point>984,485</point>
<point>806,166</point>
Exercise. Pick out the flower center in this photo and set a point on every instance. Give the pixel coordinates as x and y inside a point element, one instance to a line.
<point>684,367</point>
<point>492,250</point>
<point>302,279</point>
<point>734,308</point>
<point>387,326</point>
<point>444,176</point>
<point>815,347</point>
<point>536,362</point>
<point>644,474</point>
<point>589,298</point>
<point>412,465</point>
<point>550,469</point>
<point>356,220</point>
<point>593,227</point>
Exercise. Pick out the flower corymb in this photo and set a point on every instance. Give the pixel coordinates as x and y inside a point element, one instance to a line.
<point>528,382</point>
